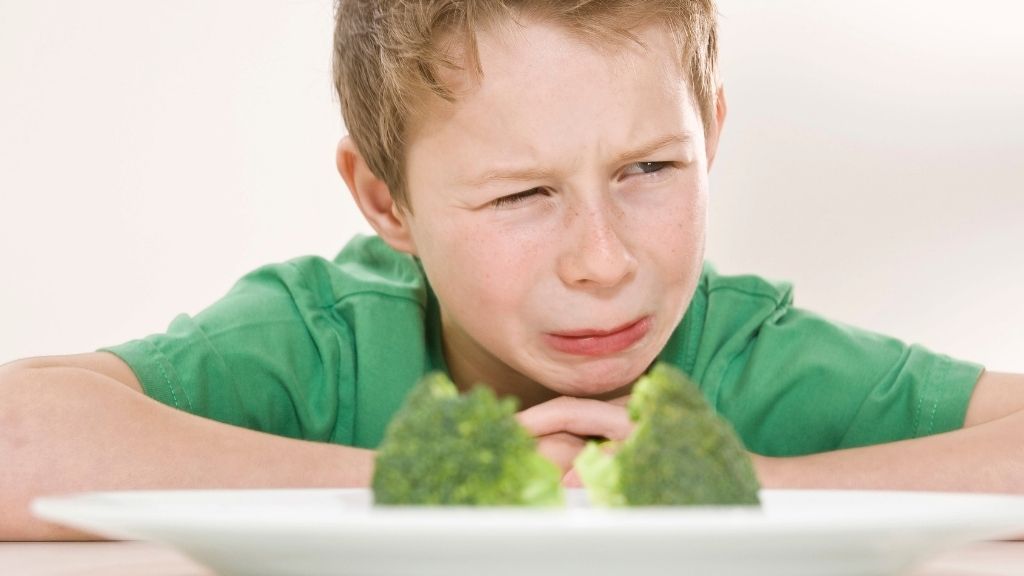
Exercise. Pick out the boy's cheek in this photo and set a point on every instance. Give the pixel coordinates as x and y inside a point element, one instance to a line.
<point>494,261</point>
<point>481,284</point>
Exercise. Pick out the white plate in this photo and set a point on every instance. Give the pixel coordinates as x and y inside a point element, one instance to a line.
<point>313,532</point>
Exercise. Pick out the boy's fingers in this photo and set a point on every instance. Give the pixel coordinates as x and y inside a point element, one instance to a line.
<point>560,448</point>
<point>572,479</point>
<point>620,401</point>
<point>579,416</point>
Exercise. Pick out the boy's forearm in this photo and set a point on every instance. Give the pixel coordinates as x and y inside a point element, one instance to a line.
<point>66,430</point>
<point>985,458</point>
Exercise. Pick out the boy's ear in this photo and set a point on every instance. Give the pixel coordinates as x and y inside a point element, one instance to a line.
<point>711,142</point>
<point>374,199</point>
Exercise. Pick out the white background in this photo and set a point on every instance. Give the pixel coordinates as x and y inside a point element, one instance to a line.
<point>153,152</point>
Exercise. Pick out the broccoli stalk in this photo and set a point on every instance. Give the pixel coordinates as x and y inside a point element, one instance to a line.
<point>444,448</point>
<point>680,452</point>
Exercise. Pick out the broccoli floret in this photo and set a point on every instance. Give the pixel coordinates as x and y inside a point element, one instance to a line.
<point>680,452</point>
<point>444,448</point>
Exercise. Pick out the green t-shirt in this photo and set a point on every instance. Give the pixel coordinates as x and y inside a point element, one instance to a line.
<point>327,351</point>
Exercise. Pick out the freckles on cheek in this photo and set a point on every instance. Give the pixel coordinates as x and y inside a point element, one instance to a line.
<point>472,256</point>
<point>681,233</point>
<point>496,262</point>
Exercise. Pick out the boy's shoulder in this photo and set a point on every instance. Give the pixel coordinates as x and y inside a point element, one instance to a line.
<point>727,312</point>
<point>365,270</point>
<point>368,264</point>
<point>300,348</point>
<point>745,286</point>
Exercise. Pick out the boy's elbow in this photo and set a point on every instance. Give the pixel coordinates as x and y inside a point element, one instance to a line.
<point>34,403</point>
<point>14,377</point>
<point>103,364</point>
<point>23,408</point>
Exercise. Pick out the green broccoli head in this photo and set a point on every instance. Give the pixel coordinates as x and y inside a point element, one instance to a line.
<point>680,452</point>
<point>444,448</point>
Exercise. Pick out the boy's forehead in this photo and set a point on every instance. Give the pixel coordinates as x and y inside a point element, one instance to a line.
<point>540,45</point>
<point>537,53</point>
<point>542,88</point>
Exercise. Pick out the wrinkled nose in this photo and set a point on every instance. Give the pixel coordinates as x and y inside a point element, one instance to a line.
<point>596,255</point>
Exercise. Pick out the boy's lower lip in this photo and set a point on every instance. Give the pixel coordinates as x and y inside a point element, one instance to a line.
<point>600,344</point>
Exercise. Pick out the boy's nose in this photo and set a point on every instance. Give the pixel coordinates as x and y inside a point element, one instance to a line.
<point>596,256</point>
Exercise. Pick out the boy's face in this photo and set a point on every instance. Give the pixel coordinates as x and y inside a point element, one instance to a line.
<point>559,208</point>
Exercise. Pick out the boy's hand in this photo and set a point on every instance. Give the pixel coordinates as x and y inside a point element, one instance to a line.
<point>563,426</point>
<point>561,448</point>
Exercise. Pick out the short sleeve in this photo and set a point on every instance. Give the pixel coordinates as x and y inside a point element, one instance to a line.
<point>792,382</point>
<point>266,356</point>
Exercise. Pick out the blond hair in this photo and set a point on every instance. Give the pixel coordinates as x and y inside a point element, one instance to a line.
<point>388,53</point>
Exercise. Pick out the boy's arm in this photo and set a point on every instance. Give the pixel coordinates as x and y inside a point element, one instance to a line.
<point>985,456</point>
<point>80,423</point>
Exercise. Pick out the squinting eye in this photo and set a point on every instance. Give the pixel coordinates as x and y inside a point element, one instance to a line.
<point>646,167</point>
<point>513,199</point>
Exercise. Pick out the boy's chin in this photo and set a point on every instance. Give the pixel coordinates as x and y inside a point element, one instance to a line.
<point>602,379</point>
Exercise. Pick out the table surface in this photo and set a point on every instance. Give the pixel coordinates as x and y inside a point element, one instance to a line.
<point>146,559</point>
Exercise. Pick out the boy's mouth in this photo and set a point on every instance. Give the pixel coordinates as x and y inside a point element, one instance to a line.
<point>598,342</point>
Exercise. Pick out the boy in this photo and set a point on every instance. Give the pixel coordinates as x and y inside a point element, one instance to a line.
<point>547,167</point>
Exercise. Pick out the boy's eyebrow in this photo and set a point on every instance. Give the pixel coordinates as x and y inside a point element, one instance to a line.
<point>514,174</point>
<point>653,146</point>
<point>525,174</point>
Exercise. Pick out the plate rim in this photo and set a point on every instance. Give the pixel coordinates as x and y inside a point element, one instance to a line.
<point>104,507</point>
